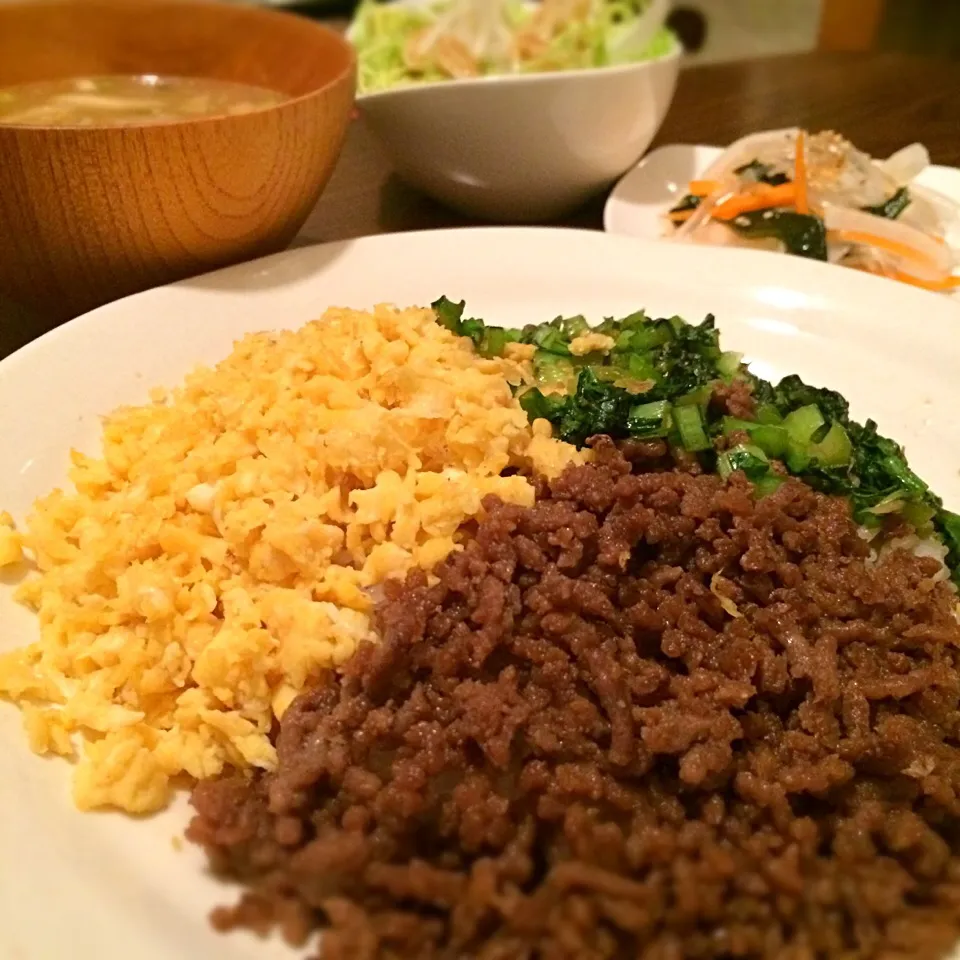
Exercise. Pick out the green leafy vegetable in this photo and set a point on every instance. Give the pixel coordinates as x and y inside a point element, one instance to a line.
<point>658,379</point>
<point>751,460</point>
<point>648,420</point>
<point>800,233</point>
<point>689,423</point>
<point>791,393</point>
<point>597,407</point>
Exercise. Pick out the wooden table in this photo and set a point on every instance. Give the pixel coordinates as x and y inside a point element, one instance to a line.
<point>880,101</point>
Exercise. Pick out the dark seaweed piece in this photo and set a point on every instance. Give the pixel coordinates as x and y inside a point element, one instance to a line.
<point>800,233</point>
<point>688,203</point>
<point>892,207</point>
<point>762,173</point>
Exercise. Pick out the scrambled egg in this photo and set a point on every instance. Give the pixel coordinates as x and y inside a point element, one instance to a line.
<point>220,554</point>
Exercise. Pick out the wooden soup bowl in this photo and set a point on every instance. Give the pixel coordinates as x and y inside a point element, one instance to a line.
<point>90,214</point>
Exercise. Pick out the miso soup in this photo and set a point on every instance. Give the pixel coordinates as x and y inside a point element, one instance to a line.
<point>118,100</point>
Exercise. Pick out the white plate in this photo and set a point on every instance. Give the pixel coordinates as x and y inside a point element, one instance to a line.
<point>638,202</point>
<point>103,887</point>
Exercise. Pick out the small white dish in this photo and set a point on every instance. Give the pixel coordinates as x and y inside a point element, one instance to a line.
<point>523,148</point>
<point>81,886</point>
<point>637,205</point>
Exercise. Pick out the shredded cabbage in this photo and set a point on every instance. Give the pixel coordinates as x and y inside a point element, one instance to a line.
<point>386,36</point>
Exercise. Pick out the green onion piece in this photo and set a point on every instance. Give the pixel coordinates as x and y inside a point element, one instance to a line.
<point>729,364</point>
<point>449,313</point>
<point>474,329</point>
<point>632,321</point>
<point>608,374</point>
<point>690,425</point>
<point>729,424</point>
<point>648,337</point>
<point>495,339</point>
<point>623,332</point>
<point>947,524</point>
<point>834,450</point>
<point>698,398</point>
<point>802,425</point>
<point>919,516</point>
<point>746,457</point>
<point>640,367</point>
<point>764,486</point>
<point>539,406</point>
<point>574,326</point>
<point>550,369</point>
<point>647,420</point>
<point>770,438</point>
<point>768,413</point>
<point>550,339</point>
<point>889,504</point>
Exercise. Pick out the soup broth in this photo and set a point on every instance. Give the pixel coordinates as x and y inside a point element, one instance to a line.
<point>118,100</point>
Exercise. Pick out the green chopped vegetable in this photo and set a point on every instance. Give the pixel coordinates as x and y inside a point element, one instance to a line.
<point>893,207</point>
<point>540,406</point>
<point>659,380</point>
<point>801,426</point>
<point>772,439</point>
<point>450,314</point>
<point>791,393</point>
<point>729,364</point>
<point>751,460</point>
<point>690,427</point>
<point>597,407</point>
<point>648,420</point>
<point>551,369</point>
<point>800,233</point>
<point>381,31</point>
<point>834,450</point>
<point>767,484</point>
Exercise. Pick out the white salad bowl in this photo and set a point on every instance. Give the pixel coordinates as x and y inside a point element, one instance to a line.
<point>523,148</point>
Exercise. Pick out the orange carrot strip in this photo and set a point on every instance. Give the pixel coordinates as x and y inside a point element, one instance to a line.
<point>800,175</point>
<point>939,286</point>
<point>702,188</point>
<point>756,199</point>
<point>872,240</point>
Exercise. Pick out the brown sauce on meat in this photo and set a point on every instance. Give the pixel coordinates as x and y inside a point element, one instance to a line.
<point>572,748</point>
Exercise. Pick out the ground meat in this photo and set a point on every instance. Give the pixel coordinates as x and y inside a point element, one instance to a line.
<point>735,398</point>
<point>648,717</point>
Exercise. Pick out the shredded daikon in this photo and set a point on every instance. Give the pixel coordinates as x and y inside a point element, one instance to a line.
<point>818,196</point>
